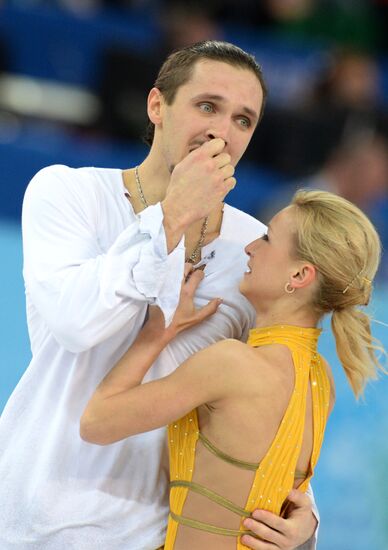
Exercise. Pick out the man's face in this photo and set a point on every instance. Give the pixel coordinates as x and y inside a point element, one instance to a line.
<point>219,100</point>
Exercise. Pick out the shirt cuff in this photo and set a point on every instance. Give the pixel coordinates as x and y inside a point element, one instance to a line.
<point>311,544</point>
<point>157,274</point>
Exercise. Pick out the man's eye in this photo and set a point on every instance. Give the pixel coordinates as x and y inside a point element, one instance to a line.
<point>265,237</point>
<point>206,107</point>
<point>245,122</point>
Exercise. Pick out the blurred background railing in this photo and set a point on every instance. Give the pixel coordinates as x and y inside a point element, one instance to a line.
<point>74,75</point>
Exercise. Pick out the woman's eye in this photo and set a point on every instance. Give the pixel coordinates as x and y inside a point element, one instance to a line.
<point>265,237</point>
<point>206,107</point>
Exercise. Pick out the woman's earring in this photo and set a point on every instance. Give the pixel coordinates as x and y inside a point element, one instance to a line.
<point>288,288</point>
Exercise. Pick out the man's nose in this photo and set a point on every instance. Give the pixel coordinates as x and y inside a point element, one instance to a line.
<point>220,130</point>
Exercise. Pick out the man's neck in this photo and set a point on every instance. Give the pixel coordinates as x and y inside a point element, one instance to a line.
<point>153,181</point>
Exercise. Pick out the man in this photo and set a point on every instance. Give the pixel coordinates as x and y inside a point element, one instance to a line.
<point>99,246</point>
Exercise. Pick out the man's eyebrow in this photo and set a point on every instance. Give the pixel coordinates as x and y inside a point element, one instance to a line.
<point>210,97</point>
<point>222,99</point>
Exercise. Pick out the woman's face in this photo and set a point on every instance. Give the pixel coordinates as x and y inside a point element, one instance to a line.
<point>271,260</point>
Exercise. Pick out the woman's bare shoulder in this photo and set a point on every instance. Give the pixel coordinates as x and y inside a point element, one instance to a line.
<point>230,350</point>
<point>265,363</point>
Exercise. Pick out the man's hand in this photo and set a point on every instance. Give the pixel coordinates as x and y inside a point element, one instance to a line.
<point>198,184</point>
<point>282,533</point>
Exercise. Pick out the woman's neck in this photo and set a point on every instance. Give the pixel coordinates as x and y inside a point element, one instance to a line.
<point>300,317</point>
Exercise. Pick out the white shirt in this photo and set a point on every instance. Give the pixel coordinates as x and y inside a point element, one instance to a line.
<point>91,267</point>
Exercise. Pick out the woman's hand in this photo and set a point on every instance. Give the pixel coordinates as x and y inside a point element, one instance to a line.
<point>186,315</point>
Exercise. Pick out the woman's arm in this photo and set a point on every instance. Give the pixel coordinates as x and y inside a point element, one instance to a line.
<point>121,406</point>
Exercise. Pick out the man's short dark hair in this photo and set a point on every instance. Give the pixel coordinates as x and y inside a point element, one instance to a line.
<point>178,68</point>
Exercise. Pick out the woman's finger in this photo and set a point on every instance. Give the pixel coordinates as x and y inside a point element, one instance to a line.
<point>187,270</point>
<point>192,282</point>
<point>209,309</point>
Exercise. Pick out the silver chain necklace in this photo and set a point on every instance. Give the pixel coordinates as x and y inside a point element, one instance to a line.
<point>196,252</point>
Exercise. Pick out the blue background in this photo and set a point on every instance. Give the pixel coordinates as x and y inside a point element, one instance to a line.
<point>351,482</point>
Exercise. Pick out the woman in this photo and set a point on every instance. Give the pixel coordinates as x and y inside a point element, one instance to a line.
<point>252,416</point>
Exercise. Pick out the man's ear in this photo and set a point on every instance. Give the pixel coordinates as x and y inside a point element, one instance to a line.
<point>303,275</point>
<point>155,106</point>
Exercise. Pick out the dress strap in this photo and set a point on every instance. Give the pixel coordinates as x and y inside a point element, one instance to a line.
<point>235,461</point>
<point>225,457</point>
<point>195,524</point>
<point>211,495</point>
<point>218,499</point>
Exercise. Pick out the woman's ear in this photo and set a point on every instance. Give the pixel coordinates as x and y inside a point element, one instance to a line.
<point>303,276</point>
<point>155,106</point>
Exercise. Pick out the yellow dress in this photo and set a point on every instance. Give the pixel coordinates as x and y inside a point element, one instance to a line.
<point>275,474</point>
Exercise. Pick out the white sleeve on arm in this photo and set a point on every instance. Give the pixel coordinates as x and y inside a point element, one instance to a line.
<point>311,544</point>
<point>86,293</point>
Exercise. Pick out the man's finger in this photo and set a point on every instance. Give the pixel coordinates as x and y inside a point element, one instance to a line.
<point>270,520</point>
<point>256,544</point>
<point>222,160</point>
<point>227,171</point>
<point>301,500</point>
<point>230,184</point>
<point>213,147</point>
<point>264,531</point>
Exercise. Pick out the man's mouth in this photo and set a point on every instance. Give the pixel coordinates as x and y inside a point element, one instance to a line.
<point>194,147</point>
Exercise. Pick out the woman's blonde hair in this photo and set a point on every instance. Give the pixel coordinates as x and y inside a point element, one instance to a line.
<point>341,242</point>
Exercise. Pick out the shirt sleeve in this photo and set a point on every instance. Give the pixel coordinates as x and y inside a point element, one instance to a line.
<point>311,544</point>
<point>85,292</point>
